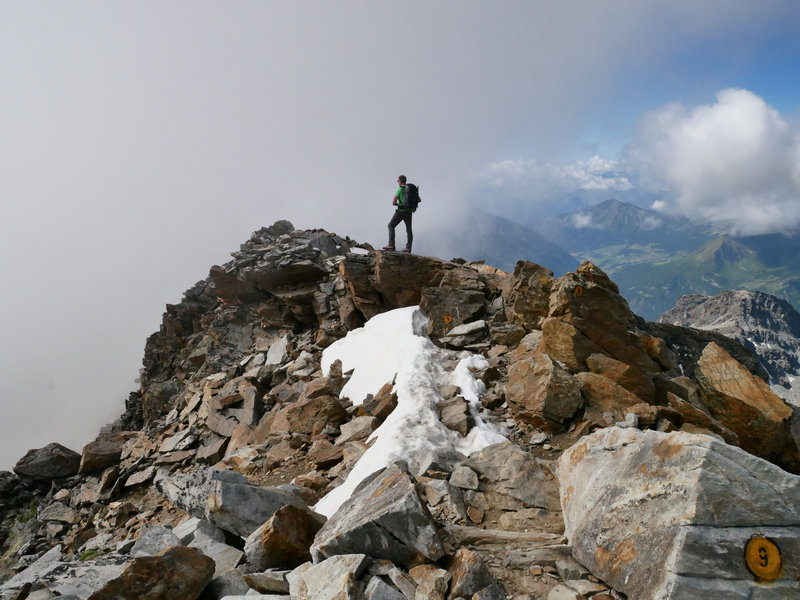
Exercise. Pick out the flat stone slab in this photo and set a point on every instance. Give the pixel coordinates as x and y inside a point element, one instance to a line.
<point>660,515</point>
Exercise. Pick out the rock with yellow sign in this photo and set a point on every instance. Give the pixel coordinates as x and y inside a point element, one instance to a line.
<point>680,516</point>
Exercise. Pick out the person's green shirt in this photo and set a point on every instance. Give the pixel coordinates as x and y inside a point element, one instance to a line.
<point>401,198</point>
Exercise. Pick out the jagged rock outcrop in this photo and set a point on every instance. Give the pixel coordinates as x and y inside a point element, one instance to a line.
<point>385,519</point>
<point>765,324</point>
<point>238,428</point>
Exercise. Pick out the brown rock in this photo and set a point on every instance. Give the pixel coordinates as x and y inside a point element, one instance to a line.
<point>454,414</point>
<point>539,390</point>
<point>212,450</point>
<point>602,395</point>
<point>745,404</point>
<point>178,573</point>
<point>564,343</point>
<point>103,452</point>
<point>589,301</point>
<point>659,351</point>
<point>309,415</point>
<point>469,574</point>
<point>359,429</point>
<point>526,294</point>
<point>382,404</point>
<point>283,542</point>
<point>691,414</point>
<point>324,454</point>
<point>448,307</point>
<point>386,280</point>
<point>631,378</point>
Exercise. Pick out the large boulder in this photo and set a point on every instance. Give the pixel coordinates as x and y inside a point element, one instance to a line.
<point>745,404</point>
<point>660,515</point>
<point>225,499</point>
<point>51,462</point>
<point>384,518</point>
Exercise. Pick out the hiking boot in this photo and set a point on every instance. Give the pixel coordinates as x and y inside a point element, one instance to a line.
<point>388,248</point>
<point>408,250</point>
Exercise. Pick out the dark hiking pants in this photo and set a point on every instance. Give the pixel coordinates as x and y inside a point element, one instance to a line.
<point>405,216</point>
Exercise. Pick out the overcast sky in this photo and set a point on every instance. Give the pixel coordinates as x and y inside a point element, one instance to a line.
<point>142,142</point>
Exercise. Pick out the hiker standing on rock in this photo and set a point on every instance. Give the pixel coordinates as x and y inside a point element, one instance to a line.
<point>406,199</point>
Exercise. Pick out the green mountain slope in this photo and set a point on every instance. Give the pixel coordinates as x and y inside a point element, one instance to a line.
<point>722,264</point>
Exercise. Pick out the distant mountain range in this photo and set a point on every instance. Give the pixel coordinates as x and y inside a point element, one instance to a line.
<point>657,258</point>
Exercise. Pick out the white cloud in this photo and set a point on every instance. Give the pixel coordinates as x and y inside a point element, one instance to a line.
<point>733,163</point>
<point>594,174</point>
<point>659,205</point>
<point>530,189</point>
<point>581,220</point>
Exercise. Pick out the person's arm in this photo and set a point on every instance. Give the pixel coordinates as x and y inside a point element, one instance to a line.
<point>396,197</point>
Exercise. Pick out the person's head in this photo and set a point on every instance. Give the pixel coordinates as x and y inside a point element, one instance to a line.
<point>401,180</point>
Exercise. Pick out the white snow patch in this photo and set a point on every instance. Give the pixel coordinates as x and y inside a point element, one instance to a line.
<point>395,344</point>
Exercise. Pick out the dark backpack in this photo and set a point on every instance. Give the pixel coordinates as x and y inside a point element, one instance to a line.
<point>412,199</point>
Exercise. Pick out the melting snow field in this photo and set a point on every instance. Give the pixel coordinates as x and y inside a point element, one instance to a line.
<point>396,343</point>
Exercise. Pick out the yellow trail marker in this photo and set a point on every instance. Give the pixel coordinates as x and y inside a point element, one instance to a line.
<point>579,290</point>
<point>763,558</point>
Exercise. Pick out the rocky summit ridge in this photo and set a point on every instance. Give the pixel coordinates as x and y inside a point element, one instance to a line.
<point>641,460</point>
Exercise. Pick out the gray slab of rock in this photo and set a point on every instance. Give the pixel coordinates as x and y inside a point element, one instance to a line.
<point>377,589</point>
<point>359,428</point>
<point>180,441</point>
<point>225,499</point>
<point>225,557</point>
<point>56,511</point>
<point>40,566</point>
<point>228,583</point>
<point>385,518</point>
<point>51,462</point>
<point>153,539</point>
<point>464,478</point>
<point>515,479</point>
<point>562,592</point>
<point>188,529</point>
<point>268,582</point>
<point>278,352</point>
<point>66,578</point>
<point>468,333</point>
<point>492,592</point>
<point>454,413</point>
<point>663,515</point>
<point>331,579</point>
